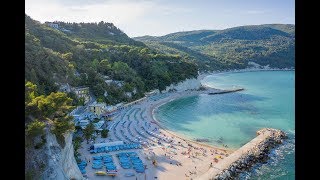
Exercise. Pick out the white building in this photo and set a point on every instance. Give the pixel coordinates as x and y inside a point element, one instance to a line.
<point>83,123</point>
<point>97,108</point>
<point>98,125</point>
<point>82,92</point>
<point>65,88</point>
<point>53,25</point>
<point>117,83</point>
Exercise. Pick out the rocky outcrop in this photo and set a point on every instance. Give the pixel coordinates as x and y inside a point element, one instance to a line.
<point>257,154</point>
<point>68,161</point>
<point>61,163</point>
<point>255,151</point>
<point>188,84</point>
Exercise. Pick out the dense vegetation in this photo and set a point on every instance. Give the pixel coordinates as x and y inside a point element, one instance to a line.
<point>269,44</point>
<point>46,111</point>
<point>86,54</point>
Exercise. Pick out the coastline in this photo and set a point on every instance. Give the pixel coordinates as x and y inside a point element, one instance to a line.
<point>203,75</point>
<point>187,139</point>
<point>232,164</point>
<point>183,158</point>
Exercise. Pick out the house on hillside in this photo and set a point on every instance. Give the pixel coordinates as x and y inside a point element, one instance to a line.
<point>117,83</point>
<point>53,25</point>
<point>65,88</point>
<point>109,112</point>
<point>151,93</point>
<point>82,92</point>
<point>97,108</point>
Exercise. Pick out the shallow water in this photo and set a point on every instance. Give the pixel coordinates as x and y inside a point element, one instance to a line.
<point>233,119</point>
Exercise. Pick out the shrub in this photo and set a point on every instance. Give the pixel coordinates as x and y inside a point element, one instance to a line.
<point>104,133</point>
<point>35,128</point>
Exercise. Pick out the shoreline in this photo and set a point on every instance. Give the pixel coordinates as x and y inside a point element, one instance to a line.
<point>203,75</point>
<point>182,158</point>
<point>186,139</point>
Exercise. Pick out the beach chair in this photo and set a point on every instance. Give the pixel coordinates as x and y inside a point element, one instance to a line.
<point>97,157</point>
<point>97,166</point>
<point>83,171</point>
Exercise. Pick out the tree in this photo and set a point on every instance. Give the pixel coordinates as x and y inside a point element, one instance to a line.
<point>35,128</point>
<point>95,64</point>
<point>54,105</point>
<point>67,56</point>
<point>77,143</point>
<point>104,133</point>
<point>88,131</point>
<point>30,91</point>
<point>104,66</point>
<point>33,76</point>
<point>53,109</point>
<point>62,125</point>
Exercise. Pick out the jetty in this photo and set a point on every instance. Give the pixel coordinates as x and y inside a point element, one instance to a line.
<point>226,91</point>
<point>242,159</point>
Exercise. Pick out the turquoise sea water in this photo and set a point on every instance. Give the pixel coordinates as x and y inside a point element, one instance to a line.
<point>233,119</point>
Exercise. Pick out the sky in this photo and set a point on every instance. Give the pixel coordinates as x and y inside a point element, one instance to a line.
<point>161,17</point>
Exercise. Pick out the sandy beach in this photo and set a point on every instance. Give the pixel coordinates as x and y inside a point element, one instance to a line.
<point>176,157</point>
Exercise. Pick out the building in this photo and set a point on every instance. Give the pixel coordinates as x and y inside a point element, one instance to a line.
<point>98,125</point>
<point>117,83</point>
<point>151,93</point>
<point>97,108</point>
<point>135,102</point>
<point>83,123</point>
<point>82,92</point>
<point>119,106</point>
<point>109,112</point>
<point>53,25</point>
<point>65,88</point>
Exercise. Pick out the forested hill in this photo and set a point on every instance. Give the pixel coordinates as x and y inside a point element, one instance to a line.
<point>87,54</point>
<point>268,44</point>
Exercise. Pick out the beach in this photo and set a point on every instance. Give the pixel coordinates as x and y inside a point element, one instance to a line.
<point>175,156</point>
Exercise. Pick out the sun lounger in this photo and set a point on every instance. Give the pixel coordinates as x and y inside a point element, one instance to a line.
<point>129,174</point>
<point>97,166</point>
<point>83,171</point>
<point>97,157</point>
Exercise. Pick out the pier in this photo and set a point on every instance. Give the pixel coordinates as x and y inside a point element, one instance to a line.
<point>226,91</point>
<point>242,159</point>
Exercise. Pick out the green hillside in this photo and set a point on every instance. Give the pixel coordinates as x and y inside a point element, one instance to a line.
<point>83,54</point>
<point>268,44</point>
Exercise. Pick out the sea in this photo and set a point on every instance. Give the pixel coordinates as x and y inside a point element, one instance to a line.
<point>232,119</point>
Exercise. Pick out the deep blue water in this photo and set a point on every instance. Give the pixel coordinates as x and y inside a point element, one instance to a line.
<point>233,119</point>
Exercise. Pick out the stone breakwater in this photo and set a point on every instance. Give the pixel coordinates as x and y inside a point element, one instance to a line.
<point>255,151</point>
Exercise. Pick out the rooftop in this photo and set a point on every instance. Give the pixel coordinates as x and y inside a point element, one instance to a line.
<point>97,104</point>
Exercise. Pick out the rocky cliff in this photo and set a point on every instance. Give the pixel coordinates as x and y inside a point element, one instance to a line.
<point>188,84</point>
<point>53,161</point>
